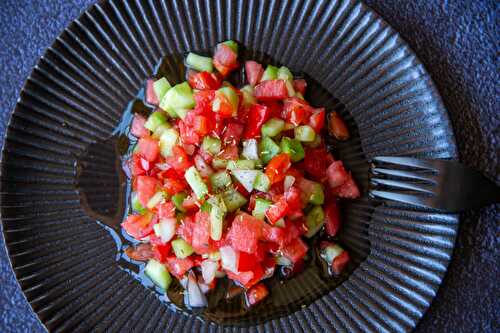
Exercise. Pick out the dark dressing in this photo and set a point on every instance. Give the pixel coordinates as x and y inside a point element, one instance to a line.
<point>105,195</point>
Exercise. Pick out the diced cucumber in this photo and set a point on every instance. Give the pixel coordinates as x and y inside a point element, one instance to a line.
<point>331,252</point>
<point>273,127</point>
<point>168,140</point>
<point>155,199</point>
<point>280,223</point>
<point>241,164</point>
<point>181,248</point>
<point>248,95</point>
<point>158,273</point>
<point>219,163</point>
<point>217,214</point>
<point>285,74</point>
<point>317,196</point>
<point>232,45</point>
<point>271,73</point>
<point>206,207</point>
<point>181,113</point>
<point>220,180</point>
<point>245,178</point>
<point>305,133</point>
<point>289,88</point>
<point>268,149</point>
<point>262,182</point>
<point>211,145</point>
<point>155,119</point>
<point>293,148</point>
<point>178,199</point>
<point>316,142</point>
<point>179,97</point>
<point>299,95</point>
<point>160,129</point>
<point>233,200</point>
<point>314,221</point>
<point>261,206</point>
<point>196,182</point>
<point>214,255</point>
<point>161,87</point>
<point>136,204</point>
<point>199,63</point>
<point>250,149</point>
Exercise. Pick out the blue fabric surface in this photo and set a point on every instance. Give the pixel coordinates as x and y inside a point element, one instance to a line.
<point>458,43</point>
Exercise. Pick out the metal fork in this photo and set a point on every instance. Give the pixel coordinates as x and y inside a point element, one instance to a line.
<point>439,184</point>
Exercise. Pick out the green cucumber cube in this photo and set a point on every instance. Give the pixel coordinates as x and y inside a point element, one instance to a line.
<point>199,63</point>
<point>196,182</point>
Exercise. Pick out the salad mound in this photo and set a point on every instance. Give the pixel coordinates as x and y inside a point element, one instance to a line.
<point>230,182</point>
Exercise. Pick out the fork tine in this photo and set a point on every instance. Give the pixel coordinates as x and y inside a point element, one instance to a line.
<point>416,200</point>
<point>405,174</point>
<point>403,185</point>
<point>407,161</point>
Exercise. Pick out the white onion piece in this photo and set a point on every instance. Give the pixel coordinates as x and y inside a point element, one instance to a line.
<point>203,168</point>
<point>229,258</point>
<point>288,182</point>
<point>246,178</point>
<point>204,287</point>
<point>165,229</point>
<point>193,297</point>
<point>163,166</point>
<point>208,269</point>
<point>250,149</point>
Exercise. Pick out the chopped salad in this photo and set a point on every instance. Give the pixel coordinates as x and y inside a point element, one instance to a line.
<point>231,181</point>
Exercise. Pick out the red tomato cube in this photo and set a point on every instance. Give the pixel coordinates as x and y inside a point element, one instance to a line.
<point>253,71</point>
<point>295,250</point>
<point>245,232</point>
<point>271,90</point>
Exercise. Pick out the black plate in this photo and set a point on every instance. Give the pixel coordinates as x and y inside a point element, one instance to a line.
<point>75,97</point>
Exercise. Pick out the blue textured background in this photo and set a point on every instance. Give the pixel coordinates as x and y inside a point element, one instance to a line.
<point>458,42</point>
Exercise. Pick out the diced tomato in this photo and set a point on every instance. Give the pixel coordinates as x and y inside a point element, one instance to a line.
<point>203,80</point>
<point>317,120</point>
<point>257,116</point>
<point>242,277</point>
<point>347,190</point>
<point>337,127</point>
<point>151,97</point>
<point>173,185</point>
<point>276,168</point>
<point>225,59</point>
<point>141,252</point>
<point>138,130</point>
<point>246,262</point>
<point>332,218</point>
<point>138,226</point>
<point>273,234</point>
<point>245,232</point>
<point>340,262</point>
<point>336,174</point>
<point>293,199</point>
<point>243,113</point>
<point>300,85</point>
<point>253,71</point>
<point>295,111</point>
<point>161,252</point>
<point>315,163</point>
<point>185,229</point>
<point>275,109</point>
<point>271,90</point>
<point>188,133</point>
<point>232,133</point>
<point>166,210</point>
<point>203,100</point>
<point>146,188</point>
<point>178,267</point>
<point>149,148</point>
<point>295,250</point>
<point>240,188</point>
<point>136,165</point>
<point>201,233</point>
<point>229,153</point>
<point>277,210</point>
<point>256,294</point>
<point>179,160</point>
<point>291,231</point>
